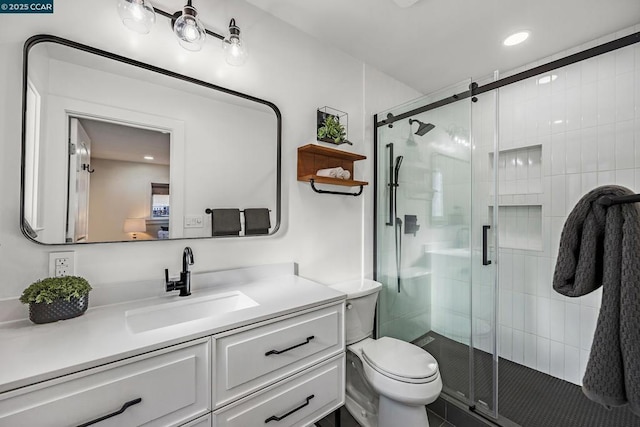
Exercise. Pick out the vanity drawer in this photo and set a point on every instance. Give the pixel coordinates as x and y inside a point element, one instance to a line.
<point>297,401</point>
<point>200,422</point>
<point>173,385</point>
<point>254,358</point>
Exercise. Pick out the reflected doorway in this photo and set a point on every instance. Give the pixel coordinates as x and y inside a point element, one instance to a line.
<point>114,169</point>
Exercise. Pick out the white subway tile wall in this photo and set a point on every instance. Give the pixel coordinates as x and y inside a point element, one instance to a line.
<point>579,131</point>
<point>560,135</point>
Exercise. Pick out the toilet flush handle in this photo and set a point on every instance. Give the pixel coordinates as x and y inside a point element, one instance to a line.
<point>349,306</point>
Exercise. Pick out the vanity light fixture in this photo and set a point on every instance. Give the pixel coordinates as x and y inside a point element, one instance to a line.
<point>188,28</point>
<point>235,51</point>
<point>139,16</point>
<point>148,157</point>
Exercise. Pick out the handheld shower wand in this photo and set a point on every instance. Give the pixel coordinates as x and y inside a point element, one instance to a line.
<point>398,221</point>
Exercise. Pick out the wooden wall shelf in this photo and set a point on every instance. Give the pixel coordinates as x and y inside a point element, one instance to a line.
<point>313,157</point>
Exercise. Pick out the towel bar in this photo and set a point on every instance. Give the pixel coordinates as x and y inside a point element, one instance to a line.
<point>317,190</point>
<point>610,201</point>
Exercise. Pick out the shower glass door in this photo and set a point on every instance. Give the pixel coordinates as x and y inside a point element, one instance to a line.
<point>429,240</point>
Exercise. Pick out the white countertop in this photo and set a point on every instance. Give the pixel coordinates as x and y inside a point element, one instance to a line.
<point>33,353</point>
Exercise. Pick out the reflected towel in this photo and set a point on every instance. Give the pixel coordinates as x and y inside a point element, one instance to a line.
<point>256,221</point>
<point>600,246</point>
<point>225,222</point>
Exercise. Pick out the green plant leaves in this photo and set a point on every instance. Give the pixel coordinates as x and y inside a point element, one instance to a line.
<point>53,288</point>
<point>332,129</point>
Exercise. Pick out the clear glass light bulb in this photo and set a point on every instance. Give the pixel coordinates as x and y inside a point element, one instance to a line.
<point>189,30</point>
<point>137,15</point>
<point>235,51</point>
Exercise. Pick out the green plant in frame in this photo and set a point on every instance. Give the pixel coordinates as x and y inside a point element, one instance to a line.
<point>332,129</point>
<point>54,288</point>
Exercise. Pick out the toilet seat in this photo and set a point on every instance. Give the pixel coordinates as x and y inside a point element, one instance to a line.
<point>400,360</point>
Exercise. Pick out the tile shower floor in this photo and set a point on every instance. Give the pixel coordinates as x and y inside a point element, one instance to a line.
<point>526,396</point>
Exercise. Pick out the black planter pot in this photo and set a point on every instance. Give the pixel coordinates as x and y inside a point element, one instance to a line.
<point>58,310</point>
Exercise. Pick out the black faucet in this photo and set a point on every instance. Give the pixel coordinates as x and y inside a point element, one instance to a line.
<point>184,284</point>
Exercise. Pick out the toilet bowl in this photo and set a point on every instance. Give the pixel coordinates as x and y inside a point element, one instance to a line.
<point>389,381</point>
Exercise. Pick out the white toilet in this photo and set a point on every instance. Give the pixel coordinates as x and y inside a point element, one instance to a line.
<point>389,381</point>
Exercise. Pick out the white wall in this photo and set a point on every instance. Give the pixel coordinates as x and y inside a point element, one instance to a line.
<point>329,236</point>
<point>121,190</point>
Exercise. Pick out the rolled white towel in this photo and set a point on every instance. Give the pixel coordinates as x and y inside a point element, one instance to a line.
<point>331,172</point>
<point>345,174</point>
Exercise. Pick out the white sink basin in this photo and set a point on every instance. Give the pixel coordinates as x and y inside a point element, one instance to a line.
<point>188,310</point>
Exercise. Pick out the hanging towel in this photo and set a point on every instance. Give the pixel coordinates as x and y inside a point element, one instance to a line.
<point>225,222</point>
<point>256,221</point>
<point>600,246</point>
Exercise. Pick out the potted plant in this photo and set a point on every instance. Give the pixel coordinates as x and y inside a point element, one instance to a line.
<point>56,298</point>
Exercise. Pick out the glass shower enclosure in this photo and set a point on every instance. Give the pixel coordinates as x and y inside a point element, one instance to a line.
<point>473,186</point>
<point>433,242</point>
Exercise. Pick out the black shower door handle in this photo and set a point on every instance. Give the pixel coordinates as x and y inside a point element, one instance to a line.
<point>485,254</point>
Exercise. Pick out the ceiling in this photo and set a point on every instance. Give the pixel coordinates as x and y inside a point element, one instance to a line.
<point>435,43</point>
<point>113,141</point>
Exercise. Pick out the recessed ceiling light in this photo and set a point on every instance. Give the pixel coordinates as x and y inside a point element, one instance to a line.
<point>547,79</point>
<point>148,157</point>
<point>516,38</point>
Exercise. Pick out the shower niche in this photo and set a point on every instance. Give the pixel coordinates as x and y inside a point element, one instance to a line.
<point>519,171</point>
<point>519,197</point>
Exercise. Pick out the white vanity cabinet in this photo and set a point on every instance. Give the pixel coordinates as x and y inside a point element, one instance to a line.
<point>200,422</point>
<point>297,401</point>
<point>165,388</point>
<point>251,358</point>
<point>283,371</point>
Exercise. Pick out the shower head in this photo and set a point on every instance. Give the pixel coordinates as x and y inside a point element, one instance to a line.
<point>422,128</point>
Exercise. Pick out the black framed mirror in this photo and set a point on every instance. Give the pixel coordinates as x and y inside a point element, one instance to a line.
<point>117,150</point>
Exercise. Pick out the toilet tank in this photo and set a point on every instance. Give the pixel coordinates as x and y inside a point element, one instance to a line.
<point>362,296</point>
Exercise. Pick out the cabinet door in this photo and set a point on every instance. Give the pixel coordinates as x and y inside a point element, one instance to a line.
<point>252,359</point>
<point>163,388</point>
<point>297,401</point>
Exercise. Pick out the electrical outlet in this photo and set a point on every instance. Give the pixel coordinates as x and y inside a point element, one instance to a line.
<point>193,221</point>
<point>62,264</point>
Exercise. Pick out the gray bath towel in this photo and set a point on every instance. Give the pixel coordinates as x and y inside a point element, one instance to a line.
<point>600,246</point>
<point>256,221</point>
<point>225,222</point>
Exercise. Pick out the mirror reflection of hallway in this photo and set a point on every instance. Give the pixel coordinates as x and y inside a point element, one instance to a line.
<point>119,172</point>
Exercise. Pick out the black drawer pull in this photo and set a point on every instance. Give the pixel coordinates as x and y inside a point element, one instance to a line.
<point>270,352</point>
<point>113,414</point>
<point>276,418</point>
